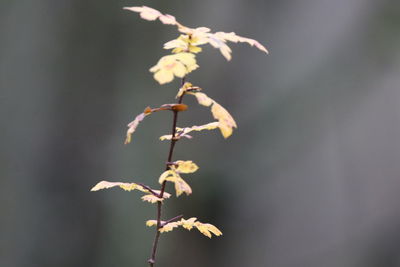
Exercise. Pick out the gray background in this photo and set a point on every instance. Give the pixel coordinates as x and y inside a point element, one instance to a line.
<point>310,178</point>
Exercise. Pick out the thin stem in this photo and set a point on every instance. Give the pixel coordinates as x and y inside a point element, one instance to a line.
<point>152,260</point>
<point>171,220</point>
<point>149,189</point>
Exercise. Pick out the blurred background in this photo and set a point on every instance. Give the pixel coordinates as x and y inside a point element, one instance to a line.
<point>310,178</point>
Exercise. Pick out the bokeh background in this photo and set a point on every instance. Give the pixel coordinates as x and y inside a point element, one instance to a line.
<point>311,177</point>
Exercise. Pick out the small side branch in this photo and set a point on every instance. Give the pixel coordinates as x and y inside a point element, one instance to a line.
<point>176,218</point>
<point>150,190</point>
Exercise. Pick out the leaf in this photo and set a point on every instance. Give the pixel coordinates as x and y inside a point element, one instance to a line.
<point>125,186</point>
<point>188,224</point>
<point>152,198</point>
<point>203,99</point>
<point>185,43</point>
<point>193,37</point>
<point>168,227</point>
<point>152,14</point>
<point>174,65</point>
<point>180,185</point>
<point>179,107</point>
<point>225,120</point>
<point>185,87</point>
<point>133,125</point>
<point>150,223</point>
<point>186,166</point>
<point>204,228</point>
<point>232,37</point>
<point>177,44</point>
<point>208,126</point>
<point>183,132</point>
<point>166,137</point>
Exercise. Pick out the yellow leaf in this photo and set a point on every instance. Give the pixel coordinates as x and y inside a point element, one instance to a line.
<point>213,229</point>
<point>203,99</point>
<point>180,185</point>
<point>150,223</point>
<point>206,229</point>
<point>183,132</point>
<point>188,224</point>
<point>153,199</point>
<point>173,65</point>
<point>226,122</point>
<point>169,227</point>
<point>166,137</point>
<point>163,76</point>
<point>188,59</point>
<point>203,230</point>
<point>178,44</point>
<point>125,186</point>
<point>183,89</point>
<point>165,175</point>
<point>184,43</point>
<point>208,126</point>
<point>192,38</point>
<point>186,166</point>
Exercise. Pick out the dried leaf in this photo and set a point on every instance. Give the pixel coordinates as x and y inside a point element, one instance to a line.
<point>147,110</point>
<point>133,125</point>
<point>179,107</point>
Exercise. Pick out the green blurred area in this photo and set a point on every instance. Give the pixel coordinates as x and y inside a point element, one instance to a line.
<point>310,178</point>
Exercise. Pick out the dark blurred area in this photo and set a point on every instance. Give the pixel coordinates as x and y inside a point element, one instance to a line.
<point>310,178</point>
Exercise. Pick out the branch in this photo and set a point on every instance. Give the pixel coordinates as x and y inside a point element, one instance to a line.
<point>152,260</point>
<point>171,220</point>
<point>149,189</point>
